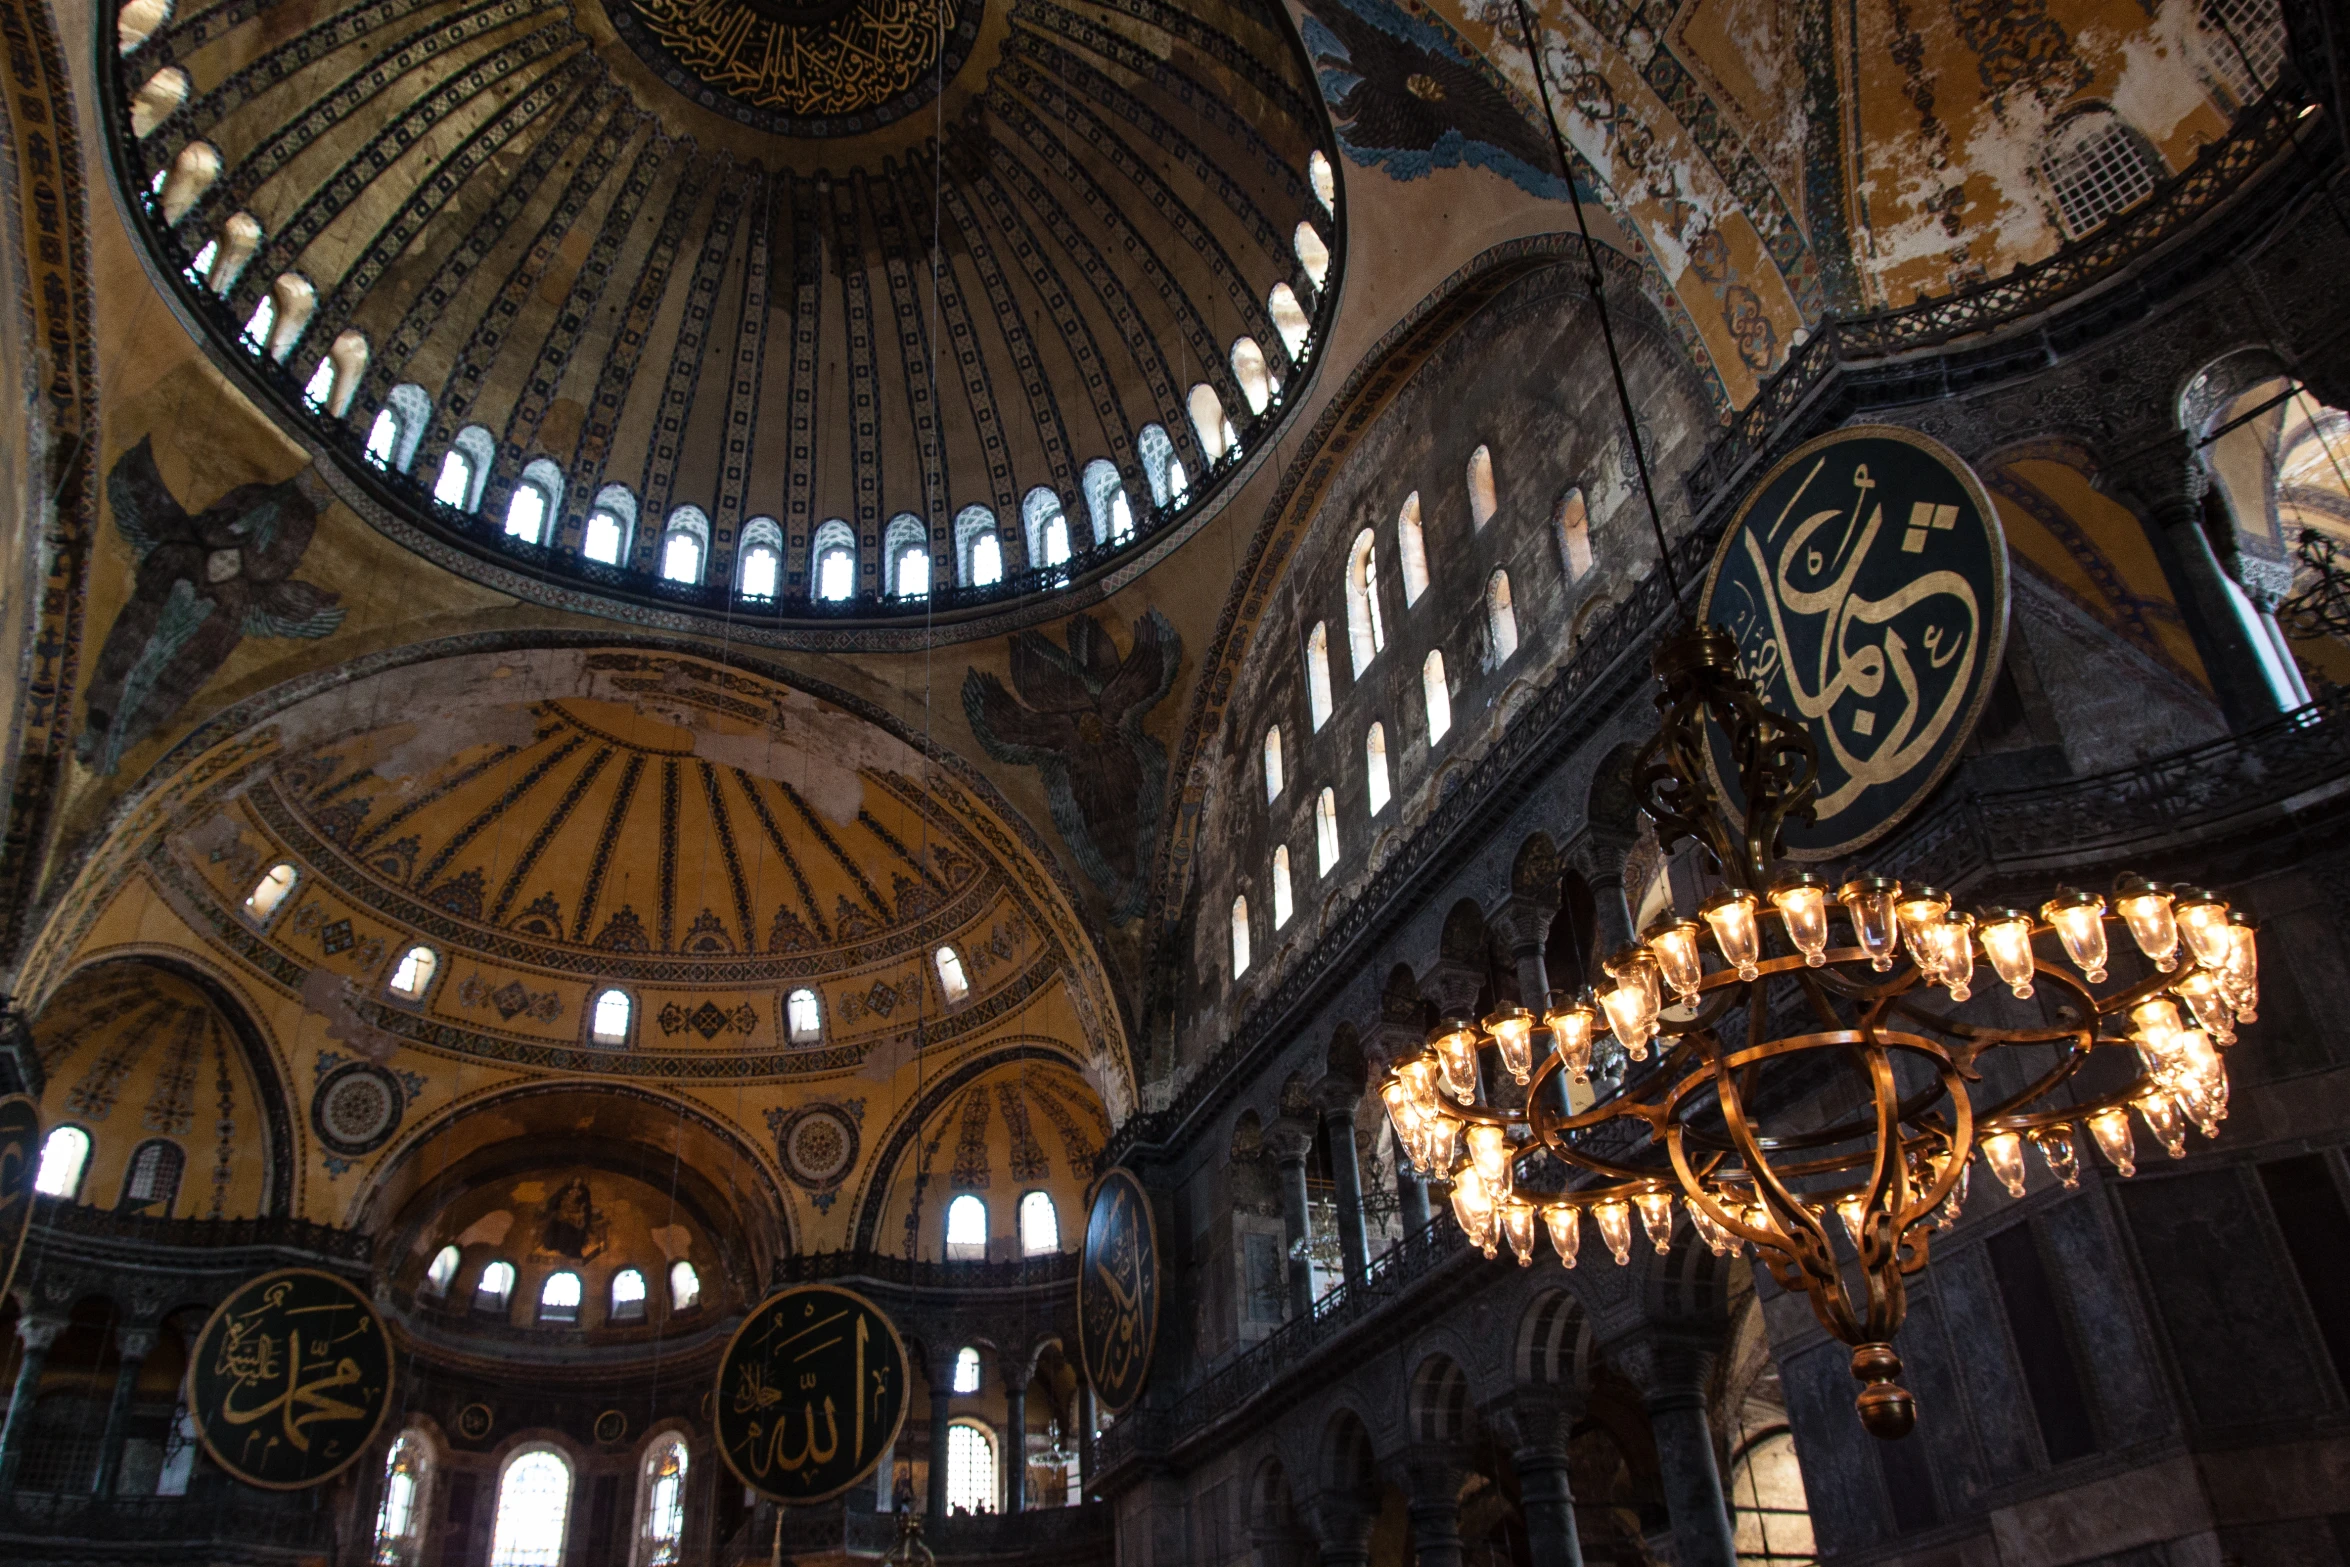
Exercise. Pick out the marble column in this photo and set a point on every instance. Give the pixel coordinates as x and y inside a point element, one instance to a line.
<point>1672,1370</point>
<point>1523,923</point>
<point>1015,1445</point>
<point>942,1408</point>
<point>1354,1247</point>
<point>1342,1527</point>
<point>39,1335</point>
<point>1291,1140</point>
<point>2169,480</point>
<point>1538,1428</point>
<point>1433,1502</point>
<point>1087,1419</point>
<point>134,1344</point>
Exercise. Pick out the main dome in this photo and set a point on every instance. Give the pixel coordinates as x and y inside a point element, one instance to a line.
<point>794,312</point>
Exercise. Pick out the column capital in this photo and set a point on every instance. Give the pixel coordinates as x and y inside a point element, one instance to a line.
<point>1336,1097</point>
<point>1523,920</point>
<point>1453,984</point>
<point>2167,478</point>
<point>1391,1040</point>
<point>1671,1365</point>
<point>135,1343</point>
<point>39,1330</point>
<point>1537,1420</point>
<point>1290,1138</point>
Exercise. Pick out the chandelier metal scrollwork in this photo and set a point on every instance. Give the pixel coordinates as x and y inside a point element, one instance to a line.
<point>1742,1048</point>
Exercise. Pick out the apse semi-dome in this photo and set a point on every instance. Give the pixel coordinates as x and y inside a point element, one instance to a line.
<point>791,312</point>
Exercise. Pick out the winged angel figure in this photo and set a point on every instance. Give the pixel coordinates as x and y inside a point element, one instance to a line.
<point>1078,720</point>
<point>204,584</point>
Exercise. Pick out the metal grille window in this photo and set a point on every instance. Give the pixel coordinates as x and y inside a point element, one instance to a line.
<point>2097,169</point>
<point>2245,41</point>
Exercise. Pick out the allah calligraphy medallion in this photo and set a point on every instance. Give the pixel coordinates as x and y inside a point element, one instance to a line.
<point>289,1380</point>
<point>803,67</point>
<point>1118,1290</point>
<point>1866,584</point>
<point>20,1153</point>
<point>811,1392</point>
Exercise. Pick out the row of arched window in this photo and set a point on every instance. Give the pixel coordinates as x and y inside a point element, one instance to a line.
<point>151,1182</point>
<point>966,1232</point>
<point>531,1518</point>
<point>561,1295</point>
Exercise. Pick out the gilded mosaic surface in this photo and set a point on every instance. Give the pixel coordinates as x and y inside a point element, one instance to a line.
<point>825,67</point>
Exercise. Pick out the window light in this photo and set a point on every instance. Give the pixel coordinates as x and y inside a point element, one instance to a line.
<point>1240,953</point>
<point>526,514</point>
<point>495,1287</point>
<point>1437,695</point>
<point>1326,830</point>
<point>270,892</point>
<point>559,1298</point>
<point>836,575</point>
<point>1375,767</point>
<point>1040,1225</point>
<point>1273,778</point>
<point>443,1271</point>
<point>966,1370</point>
<point>611,1017</point>
<point>685,1287</point>
<point>534,1511</point>
<point>967,1229</point>
<point>602,539</point>
<point>1283,904</point>
<point>628,1296</point>
<point>951,978</point>
<point>64,1154</point>
<point>762,569</point>
<point>414,972</point>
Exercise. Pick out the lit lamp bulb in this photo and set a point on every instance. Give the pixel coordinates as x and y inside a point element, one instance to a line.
<point>1614,1218</point>
<point>1401,1112</point>
<point>2198,1080</point>
<point>1455,1044</point>
<point>1946,1216</point>
<point>2004,1152</point>
<point>1869,901</point>
<point>1418,1075</point>
<point>1633,968</point>
<point>1918,911</point>
<point>1512,1029</point>
<point>1656,1217</point>
<point>1625,1006</point>
<point>1571,1028</point>
<point>2162,1119</point>
<point>2079,918</point>
<point>2007,941</point>
<point>1565,1223</point>
<point>1438,1135</point>
<point>2057,1151</point>
<point>2111,1128</point>
<point>1472,1205</point>
<point>1730,915</point>
<point>2243,967</point>
<point>2206,995</point>
<point>2146,909</point>
<point>2203,919</point>
<point>1674,948</point>
<point>1517,1222</point>
<point>2156,1022</point>
<point>1954,946</point>
<point>1717,1240</point>
<point>1489,1153</point>
<point>1802,902</point>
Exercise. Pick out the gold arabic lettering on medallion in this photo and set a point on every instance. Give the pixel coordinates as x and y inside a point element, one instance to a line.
<point>848,64</point>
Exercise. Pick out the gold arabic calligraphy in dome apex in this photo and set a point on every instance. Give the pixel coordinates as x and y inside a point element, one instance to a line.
<point>823,67</point>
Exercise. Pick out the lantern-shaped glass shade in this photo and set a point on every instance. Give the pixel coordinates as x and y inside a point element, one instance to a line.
<point>1571,1028</point>
<point>2163,1120</point>
<point>2004,1152</point>
<point>2146,909</point>
<point>1517,1222</point>
<point>1565,1222</point>
<point>1918,911</point>
<point>1456,1058</point>
<point>1614,1219</point>
<point>1489,1152</point>
<point>1512,1029</point>
<point>1730,914</point>
<point>2203,919</point>
<point>1656,1217</point>
<point>1868,901</point>
<point>2060,1154</point>
<point>1954,948</point>
<point>1802,902</point>
<point>1626,1008</point>
<point>2111,1128</point>
<point>2007,942</point>
<point>1678,959</point>
<point>2079,919</point>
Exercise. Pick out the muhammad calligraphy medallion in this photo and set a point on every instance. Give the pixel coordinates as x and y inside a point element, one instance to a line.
<point>1865,581</point>
<point>1118,1290</point>
<point>289,1380</point>
<point>811,1392</point>
<point>803,67</point>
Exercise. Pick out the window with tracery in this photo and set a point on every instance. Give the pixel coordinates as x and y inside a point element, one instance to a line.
<point>534,1511</point>
<point>1040,1225</point>
<point>967,1233</point>
<point>758,571</point>
<point>611,526</point>
<point>65,1153</point>
<point>628,1296</point>
<point>1239,937</point>
<point>685,544</point>
<point>979,554</point>
<point>495,1287</point>
<point>153,1181</point>
<point>966,1377</point>
<point>399,1516</point>
<point>804,1016</point>
<point>610,1023</point>
<point>2097,168</point>
<point>835,554</point>
<point>559,1298</point>
<point>1375,767</point>
<point>661,1536</point>
<point>905,549</point>
<point>971,1468</point>
<point>1283,902</point>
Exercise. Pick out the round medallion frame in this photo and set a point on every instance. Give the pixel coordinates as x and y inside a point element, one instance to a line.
<point>336,1142</point>
<point>359,1448</point>
<point>1090,1258</point>
<point>717,1403</point>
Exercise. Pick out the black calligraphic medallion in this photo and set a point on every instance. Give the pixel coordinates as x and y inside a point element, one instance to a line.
<point>289,1380</point>
<point>1118,1290</point>
<point>811,1392</point>
<point>20,1158</point>
<point>1865,581</point>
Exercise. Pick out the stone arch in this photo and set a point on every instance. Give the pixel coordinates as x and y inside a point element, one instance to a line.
<point>1687,1284</point>
<point>1344,1059</point>
<point>1613,805</point>
<point>1437,1408</point>
<point>1463,940</point>
<point>1271,1507</point>
<point>1554,1342</point>
<point>1349,1464</point>
<point>2204,397</point>
<point>1535,871</point>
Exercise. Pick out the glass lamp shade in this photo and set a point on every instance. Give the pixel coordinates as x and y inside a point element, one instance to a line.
<point>2146,909</point>
<point>2164,1121</point>
<point>2060,1154</point>
<point>1456,1059</point>
<point>1626,1007</point>
<point>2243,967</point>
<point>1517,1222</point>
<point>2004,1153</point>
<point>2111,1128</point>
<point>1571,1028</point>
<point>2206,995</point>
<point>1489,1152</point>
<point>1614,1219</point>
<point>2006,935</point>
<point>1853,1210</point>
<point>1918,911</point>
<point>1473,1207</point>
<point>2157,1025</point>
<point>1512,1029</point>
<point>1418,1076</point>
<point>1677,956</point>
<point>1802,902</point>
<point>2079,919</point>
<point>1954,948</point>
<point>1402,1114</point>
<point>1868,901</point>
<point>1730,914</point>
<point>2202,919</point>
<point>1565,1222</point>
<point>1656,1217</point>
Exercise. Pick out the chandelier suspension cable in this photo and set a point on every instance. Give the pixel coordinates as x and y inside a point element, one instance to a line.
<point>1607,330</point>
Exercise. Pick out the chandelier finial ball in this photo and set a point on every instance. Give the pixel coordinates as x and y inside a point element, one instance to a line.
<point>1886,1407</point>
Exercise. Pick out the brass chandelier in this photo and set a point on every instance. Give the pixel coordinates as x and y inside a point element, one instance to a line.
<point>1728,1100</point>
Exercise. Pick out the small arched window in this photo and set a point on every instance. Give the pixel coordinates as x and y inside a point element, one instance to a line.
<point>1105,503</point>
<point>399,1517</point>
<point>1040,1225</point>
<point>966,1378</point>
<point>1366,634</point>
<point>1160,466</point>
<point>967,1232</point>
<point>261,324</point>
<point>1047,527</point>
<point>905,554</point>
<point>1289,319</point>
<point>269,893</point>
<point>1324,180</point>
<point>1483,501</point>
<point>1375,767</point>
<point>443,1271</point>
<point>293,301</point>
<point>628,1296</point>
<point>1571,522</point>
<point>835,555</point>
<point>804,1016</point>
<point>971,1468</point>
<point>685,1287</point>
<point>1239,937</point>
<point>952,981</point>
<point>1501,620</point>
<point>979,554</point>
<point>136,22</point>
<point>1312,254</point>
<point>1437,694</point>
<point>611,526</point>
<point>685,544</point>
<point>758,570</point>
<point>559,1298</point>
<point>348,354</point>
<point>1208,421</point>
<point>534,1511</point>
<point>321,384</point>
<point>65,1154</point>
<point>1255,376</point>
<point>1411,548</point>
<point>413,974</point>
<point>536,502</point>
<point>1318,675</point>
<point>191,174</point>
<point>157,99</point>
<point>1283,902</point>
<point>662,1504</point>
<point>495,1287</point>
<point>1273,778</point>
<point>399,427</point>
<point>2097,167</point>
<point>456,486</point>
<point>1326,830</point>
<point>221,262</point>
<point>612,1017</point>
<point>153,1181</point>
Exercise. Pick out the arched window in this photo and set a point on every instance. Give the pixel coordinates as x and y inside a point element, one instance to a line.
<point>1160,466</point>
<point>534,1510</point>
<point>190,176</point>
<point>1105,503</point>
<point>65,1154</point>
<point>758,568</point>
<point>293,300</point>
<point>979,554</point>
<point>2244,42</point>
<point>1571,522</point>
<point>1047,527</point>
<point>952,981</point>
<point>399,427</point>
<point>153,1181</point>
<point>2097,167</point>
<point>269,893</point>
<point>1501,621</point>
<point>537,500</point>
<point>443,1271</point>
<point>221,262</point>
<point>804,1016</point>
<point>905,554</point>
<point>685,1287</point>
<point>158,97</point>
<point>1289,319</point>
<point>661,1504</point>
<point>1208,421</point>
<point>1326,830</point>
<point>1239,937</point>
<point>611,526</point>
<point>414,972</point>
<point>966,1378</point>
<point>835,555</point>
<point>1436,694</point>
<point>612,1017</point>
<point>136,22</point>
<point>1283,902</point>
<point>685,544</point>
<point>1040,1225</point>
<point>559,1298</point>
<point>967,1234</point>
<point>1324,179</point>
<point>1255,376</point>
<point>971,1468</point>
<point>1366,634</point>
<point>1375,767</point>
<point>348,354</point>
<point>1318,675</point>
<point>1483,502</point>
<point>456,486</point>
<point>321,384</point>
<point>495,1287</point>
<point>628,1296</point>
<point>1273,764</point>
<point>399,1517</point>
<point>1411,548</point>
<point>261,323</point>
<point>1312,254</point>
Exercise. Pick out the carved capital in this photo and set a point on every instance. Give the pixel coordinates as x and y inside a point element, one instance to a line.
<point>1523,920</point>
<point>2165,480</point>
<point>2266,581</point>
<point>1453,984</point>
<point>38,1331</point>
<point>1671,1366</point>
<point>134,1344</point>
<point>1291,1139</point>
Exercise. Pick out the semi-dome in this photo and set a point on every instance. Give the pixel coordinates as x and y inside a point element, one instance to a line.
<point>784,312</point>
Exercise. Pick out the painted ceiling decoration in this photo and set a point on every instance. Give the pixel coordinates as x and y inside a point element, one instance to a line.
<point>804,67</point>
